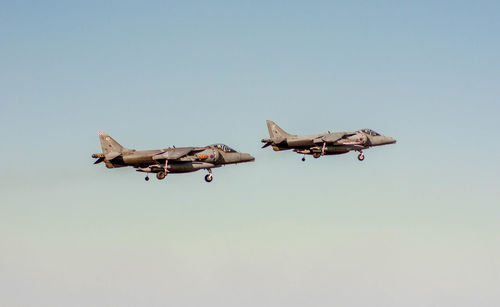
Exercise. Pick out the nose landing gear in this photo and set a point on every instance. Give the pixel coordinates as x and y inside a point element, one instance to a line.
<point>209,177</point>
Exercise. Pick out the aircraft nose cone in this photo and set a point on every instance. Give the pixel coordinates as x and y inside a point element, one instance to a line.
<point>381,140</point>
<point>246,157</point>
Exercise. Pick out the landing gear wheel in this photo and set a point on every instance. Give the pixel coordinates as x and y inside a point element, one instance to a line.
<point>361,157</point>
<point>303,159</point>
<point>316,155</point>
<point>147,178</point>
<point>209,178</point>
<point>161,175</point>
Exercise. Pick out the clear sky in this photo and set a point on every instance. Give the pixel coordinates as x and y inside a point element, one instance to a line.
<point>415,224</point>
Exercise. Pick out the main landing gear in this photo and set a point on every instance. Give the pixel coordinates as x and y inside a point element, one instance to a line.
<point>209,177</point>
<point>161,175</point>
<point>315,155</point>
<point>361,156</point>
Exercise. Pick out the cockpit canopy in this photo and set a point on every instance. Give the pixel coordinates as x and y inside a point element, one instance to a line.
<point>370,132</point>
<point>224,147</point>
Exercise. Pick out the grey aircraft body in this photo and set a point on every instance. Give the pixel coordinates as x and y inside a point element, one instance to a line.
<point>328,143</point>
<point>168,160</point>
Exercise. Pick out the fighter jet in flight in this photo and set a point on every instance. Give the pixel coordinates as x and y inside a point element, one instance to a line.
<point>169,160</point>
<point>329,143</point>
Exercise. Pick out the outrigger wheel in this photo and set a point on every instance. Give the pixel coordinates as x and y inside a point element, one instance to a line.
<point>161,175</point>
<point>361,157</point>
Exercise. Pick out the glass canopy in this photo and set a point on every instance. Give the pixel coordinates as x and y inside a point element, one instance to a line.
<point>224,147</point>
<point>370,132</point>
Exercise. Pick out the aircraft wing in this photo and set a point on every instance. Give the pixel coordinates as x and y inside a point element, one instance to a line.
<point>331,137</point>
<point>175,153</point>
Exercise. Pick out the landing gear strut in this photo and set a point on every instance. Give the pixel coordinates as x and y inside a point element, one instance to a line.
<point>361,156</point>
<point>209,177</point>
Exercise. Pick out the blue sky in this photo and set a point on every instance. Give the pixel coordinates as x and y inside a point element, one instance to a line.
<point>415,224</point>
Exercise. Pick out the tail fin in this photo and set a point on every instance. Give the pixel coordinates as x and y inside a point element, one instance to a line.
<point>275,131</point>
<point>108,144</point>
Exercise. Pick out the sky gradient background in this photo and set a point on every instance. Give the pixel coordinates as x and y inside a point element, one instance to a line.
<point>415,224</point>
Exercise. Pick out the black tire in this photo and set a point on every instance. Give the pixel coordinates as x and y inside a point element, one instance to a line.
<point>303,159</point>
<point>209,178</point>
<point>361,157</point>
<point>147,178</point>
<point>316,155</point>
<point>161,175</point>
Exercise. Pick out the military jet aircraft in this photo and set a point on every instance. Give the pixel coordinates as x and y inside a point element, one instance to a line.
<point>329,143</point>
<point>168,160</point>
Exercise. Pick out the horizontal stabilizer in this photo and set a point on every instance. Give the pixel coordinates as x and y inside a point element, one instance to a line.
<point>99,160</point>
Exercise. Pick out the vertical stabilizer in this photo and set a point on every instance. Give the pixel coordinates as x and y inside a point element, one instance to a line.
<point>275,132</point>
<point>108,144</point>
